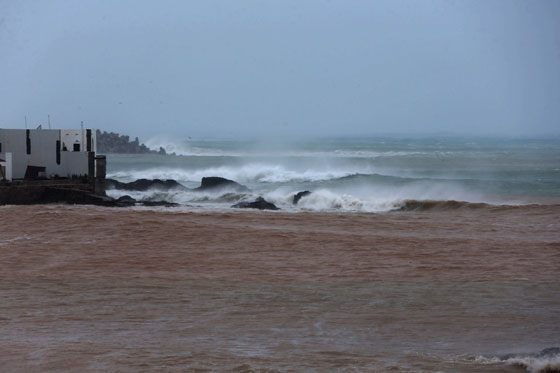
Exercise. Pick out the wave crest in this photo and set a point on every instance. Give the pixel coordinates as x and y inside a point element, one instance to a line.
<point>547,361</point>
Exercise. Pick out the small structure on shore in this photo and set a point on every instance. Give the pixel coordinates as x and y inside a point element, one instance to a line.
<point>47,165</point>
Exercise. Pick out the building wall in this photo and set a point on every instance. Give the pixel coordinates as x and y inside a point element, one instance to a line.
<point>71,137</point>
<point>43,151</point>
<point>74,164</point>
<point>14,141</point>
<point>7,165</point>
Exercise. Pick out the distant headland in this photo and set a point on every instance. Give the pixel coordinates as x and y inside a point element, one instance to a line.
<point>111,142</point>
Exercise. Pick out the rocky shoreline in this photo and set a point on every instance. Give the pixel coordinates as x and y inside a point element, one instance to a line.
<point>212,183</point>
<point>80,192</point>
<point>111,142</point>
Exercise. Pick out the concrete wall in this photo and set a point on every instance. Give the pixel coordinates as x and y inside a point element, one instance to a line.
<point>15,142</point>
<point>73,164</point>
<point>43,151</point>
<point>6,163</point>
<point>71,137</point>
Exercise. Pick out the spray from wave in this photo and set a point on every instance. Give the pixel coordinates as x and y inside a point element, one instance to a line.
<point>227,148</point>
<point>255,173</point>
<point>546,361</point>
<point>358,175</point>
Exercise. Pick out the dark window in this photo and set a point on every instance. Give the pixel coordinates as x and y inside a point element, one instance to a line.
<point>88,136</point>
<point>76,147</point>
<point>57,151</point>
<point>28,142</point>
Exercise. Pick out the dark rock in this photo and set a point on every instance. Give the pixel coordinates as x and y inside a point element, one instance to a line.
<point>260,203</point>
<point>141,185</point>
<point>298,196</point>
<point>125,200</point>
<point>214,182</point>
<point>549,352</point>
<point>72,196</point>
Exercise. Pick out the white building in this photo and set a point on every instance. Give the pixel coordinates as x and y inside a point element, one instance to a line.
<point>41,153</point>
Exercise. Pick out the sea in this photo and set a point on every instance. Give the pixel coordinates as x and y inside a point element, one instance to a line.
<point>410,254</point>
<point>371,174</point>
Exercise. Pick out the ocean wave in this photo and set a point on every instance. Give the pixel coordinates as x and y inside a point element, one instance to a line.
<point>373,154</point>
<point>548,361</point>
<point>322,200</point>
<point>327,200</point>
<point>249,173</point>
<point>184,197</point>
<point>536,364</point>
<point>357,192</point>
<point>266,173</point>
<point>226,149</point>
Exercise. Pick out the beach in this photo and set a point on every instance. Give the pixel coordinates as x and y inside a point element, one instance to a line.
<point>453,288</point>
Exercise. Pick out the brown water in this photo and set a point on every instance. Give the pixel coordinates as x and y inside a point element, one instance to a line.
<point>453,289</point>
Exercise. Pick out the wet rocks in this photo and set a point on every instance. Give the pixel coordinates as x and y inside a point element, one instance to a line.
<point>214,182</point>
<point>299,196</point>
<point>126,201</point>
<point>142,185</point>
<point>260,203</point>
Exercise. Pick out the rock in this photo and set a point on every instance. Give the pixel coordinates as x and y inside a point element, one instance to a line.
<point>125,200</point>
<point>141,185</point>
<point>214,182</point>
<point>298,196</point>
<point>260,203</point>
<point>549,352</point>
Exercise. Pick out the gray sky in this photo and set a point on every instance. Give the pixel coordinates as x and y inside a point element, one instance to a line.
<point>257,68</point>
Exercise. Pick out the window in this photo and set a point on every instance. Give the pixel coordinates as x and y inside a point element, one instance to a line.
<point>57,151</point>
<point>76,147</point>
<point>27,142</point>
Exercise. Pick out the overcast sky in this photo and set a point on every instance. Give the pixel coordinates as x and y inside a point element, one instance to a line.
<point>256,68</point>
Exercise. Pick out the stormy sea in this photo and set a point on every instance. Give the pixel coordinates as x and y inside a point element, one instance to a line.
<point>353,175</point>
<point>427,254</point>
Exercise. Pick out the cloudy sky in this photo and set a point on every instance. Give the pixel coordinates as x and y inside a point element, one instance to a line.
<point>265,68</point>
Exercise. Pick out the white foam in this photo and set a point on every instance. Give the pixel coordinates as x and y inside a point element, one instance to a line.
<point>536,364</point>
<point>530,363</point>
<point>326,200</point>
<point>249,173</point>
<point>352,198</point>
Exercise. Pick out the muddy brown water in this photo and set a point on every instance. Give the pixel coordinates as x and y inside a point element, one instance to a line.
<point>103,289</point>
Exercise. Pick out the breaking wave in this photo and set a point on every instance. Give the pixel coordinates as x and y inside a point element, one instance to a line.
<point>548,361</point>
<point>257,173</point>
<point>317,200</point>
<point>264,173</point>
